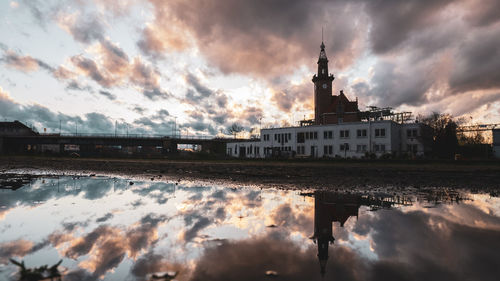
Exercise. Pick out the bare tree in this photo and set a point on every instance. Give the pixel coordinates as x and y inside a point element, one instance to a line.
<point>441,130</point>
<point>235,129</point>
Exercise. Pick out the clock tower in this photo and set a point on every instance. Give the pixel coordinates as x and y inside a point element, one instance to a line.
<point>322,88</point>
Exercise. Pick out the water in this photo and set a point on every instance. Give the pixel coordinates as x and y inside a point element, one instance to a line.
<point>103,227</point>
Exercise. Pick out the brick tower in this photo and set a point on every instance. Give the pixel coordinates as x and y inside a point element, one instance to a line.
<point>322,87</point>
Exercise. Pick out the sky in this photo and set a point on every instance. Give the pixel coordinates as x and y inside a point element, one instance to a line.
<point>138,67</point>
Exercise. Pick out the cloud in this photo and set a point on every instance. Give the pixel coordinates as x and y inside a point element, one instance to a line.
<point>146,77</point>
<point>84,28</point>
<point>107,94</point>
<point>477,62</point>
<point>291,98</point>
<point>394,22</point>
<point>23,63</point>
<point>89,68</point>
<point>257,39</point>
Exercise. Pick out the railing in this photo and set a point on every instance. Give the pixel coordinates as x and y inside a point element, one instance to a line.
<point>131,136</point>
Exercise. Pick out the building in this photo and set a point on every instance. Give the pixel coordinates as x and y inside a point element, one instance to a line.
<point>496,143</point>
<point>338,130</point>
<point>346,140</point>
<point>15,128</point>
<point>328,108</point>
<point>12,129</point>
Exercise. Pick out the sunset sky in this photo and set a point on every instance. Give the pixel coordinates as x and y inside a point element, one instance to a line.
<point>208,64</point>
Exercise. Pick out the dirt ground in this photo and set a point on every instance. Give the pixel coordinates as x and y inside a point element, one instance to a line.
<point>284,174</point>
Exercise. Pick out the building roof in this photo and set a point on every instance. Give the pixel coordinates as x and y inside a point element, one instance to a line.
<point>342,101</point>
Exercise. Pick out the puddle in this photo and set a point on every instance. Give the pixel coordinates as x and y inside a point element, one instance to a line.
<point>104,227</point>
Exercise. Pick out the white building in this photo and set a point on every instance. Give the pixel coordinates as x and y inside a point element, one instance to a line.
<point>347,140</point>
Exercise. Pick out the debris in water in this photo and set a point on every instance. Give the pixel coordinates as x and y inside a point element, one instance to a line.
<point>271,273</point>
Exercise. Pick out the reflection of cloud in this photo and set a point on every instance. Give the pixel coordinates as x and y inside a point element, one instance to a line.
<point>430,247</point>
<point>104,218</point>
<point>250,259</point>
<point>16,248</point>
<point>152,263</point>
<point>192,232</point>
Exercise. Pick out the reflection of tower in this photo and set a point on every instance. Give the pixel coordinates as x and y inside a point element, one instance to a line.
<point>331,207</point>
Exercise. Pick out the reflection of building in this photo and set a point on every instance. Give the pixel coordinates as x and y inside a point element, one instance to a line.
<point>338,129</point>
<point>331,207</point>
<point>496,143</point>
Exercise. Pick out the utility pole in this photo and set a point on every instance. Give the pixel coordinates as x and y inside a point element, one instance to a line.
<point>175,127</point>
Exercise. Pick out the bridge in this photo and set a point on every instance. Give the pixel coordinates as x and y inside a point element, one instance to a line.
<point>96,144</point>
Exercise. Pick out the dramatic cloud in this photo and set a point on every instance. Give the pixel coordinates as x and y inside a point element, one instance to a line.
<point>477,62</point>
<point>236,61</point>
<point>394,22</point>
<point>250,259</point>
<point>257,39</point>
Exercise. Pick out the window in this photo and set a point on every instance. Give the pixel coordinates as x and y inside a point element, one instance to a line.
<point>344,133</point>
<point>361,133</point>
<point>322,71</point>
<point>344,147</point>
<point>328,134</point>
<point>301,149</point>
<point>230,151</point>
<point>328,150</point>
<point>341,120</point>
<point>413,148</point>
<point>275,137</point>
<point>379,132</point>
<point>379,147</point>
<point>411,133</point>
<point>300,137</point>
<point>361,148</point>
<point>315,135</point>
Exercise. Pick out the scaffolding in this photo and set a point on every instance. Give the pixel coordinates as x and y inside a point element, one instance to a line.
<point>478,128</point>
<point>376,113</point>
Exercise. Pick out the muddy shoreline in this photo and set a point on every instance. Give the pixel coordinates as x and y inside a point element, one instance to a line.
<point>281,174</point>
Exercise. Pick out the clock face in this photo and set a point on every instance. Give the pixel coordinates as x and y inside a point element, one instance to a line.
<point>324,86</point>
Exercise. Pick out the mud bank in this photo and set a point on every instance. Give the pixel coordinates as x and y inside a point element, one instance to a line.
<point>299,175</point>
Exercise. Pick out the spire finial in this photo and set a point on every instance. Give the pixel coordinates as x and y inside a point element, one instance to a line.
<point>322,42</point>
